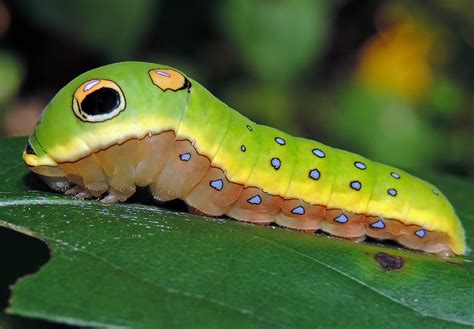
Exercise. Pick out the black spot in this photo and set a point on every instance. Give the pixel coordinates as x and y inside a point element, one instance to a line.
<point>243,148</point>
<point>249,128</point>
<point>389,262</point>
<point>187,85</point>
<point>101,101</point>
<point>29,149</point>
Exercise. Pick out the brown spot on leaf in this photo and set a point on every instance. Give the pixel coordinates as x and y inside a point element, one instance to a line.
<point>389,262</point>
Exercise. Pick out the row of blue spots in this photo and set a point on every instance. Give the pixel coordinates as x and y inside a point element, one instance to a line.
<point>217,184</point>
<point>341,219</point>
<point>298,210</point>
<point>420,233</point>
<point>185,156</point>
<point>360,165</point>
<point>356,185</point>
<point>392,192</point>
<point>319,153</point>
<point>242,147</point>
<point>276,163</point>
<point>314,174</point>
<point>395,175</point>
<point>379,224</point>
<point>255,200</point>
<point>280,140</point>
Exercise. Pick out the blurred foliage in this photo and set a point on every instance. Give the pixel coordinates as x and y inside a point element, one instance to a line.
<point>384,126</point>
<point>268,35</point>
<point>390,79</point>
<point>405,90</point>
<point>9,67</point>
<point>113,28</point>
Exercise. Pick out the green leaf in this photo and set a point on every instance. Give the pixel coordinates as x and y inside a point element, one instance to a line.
<point>138,265</point>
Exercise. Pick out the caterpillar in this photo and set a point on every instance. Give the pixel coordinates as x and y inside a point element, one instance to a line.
<point>134,124</point>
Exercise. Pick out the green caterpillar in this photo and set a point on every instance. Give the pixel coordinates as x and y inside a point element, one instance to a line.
<point>141,124</point>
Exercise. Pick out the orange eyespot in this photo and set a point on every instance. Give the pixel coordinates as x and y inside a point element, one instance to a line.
<point>98,100</point>
<point>167,79</point>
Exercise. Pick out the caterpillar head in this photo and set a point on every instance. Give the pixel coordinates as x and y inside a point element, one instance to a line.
<point>102,107</point>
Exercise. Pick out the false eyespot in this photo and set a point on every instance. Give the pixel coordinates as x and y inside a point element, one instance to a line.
<point>168,79</point>
<point>98,100</point>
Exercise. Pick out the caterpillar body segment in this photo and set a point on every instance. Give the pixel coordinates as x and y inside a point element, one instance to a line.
<point>141,124</point>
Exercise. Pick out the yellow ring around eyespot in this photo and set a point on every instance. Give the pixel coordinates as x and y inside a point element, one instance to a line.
<point>167,79</point>
<point>88,88</point>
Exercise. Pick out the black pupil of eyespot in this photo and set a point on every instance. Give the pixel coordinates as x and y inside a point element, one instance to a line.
<point>101,101</point>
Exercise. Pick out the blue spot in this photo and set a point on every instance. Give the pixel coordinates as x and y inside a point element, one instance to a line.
<point>298,210</point>
<point>319,153</point>
<point>356,185</point>
<point>395,175</point>
<point>280,140</point>
<point>276,163</point>
<point>185,156</point>
<point>217,184</point>
<point>360,165</point>
<point>249,128</point>
<point>341,219</point>
<point>420,233</point>
<point>243,148</point>
<point>314,174</point>
<point>255,200</point>
<point>378,224</point>
<point>392,191</point>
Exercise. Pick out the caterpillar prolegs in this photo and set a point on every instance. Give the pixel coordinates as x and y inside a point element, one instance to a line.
<point>142,124</point>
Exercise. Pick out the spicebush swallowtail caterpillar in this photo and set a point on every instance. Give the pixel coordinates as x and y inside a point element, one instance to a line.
<point>141,124</point>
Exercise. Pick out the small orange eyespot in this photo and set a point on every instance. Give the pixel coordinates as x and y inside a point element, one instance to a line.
<point>167,79</point>
<point>98,100</point>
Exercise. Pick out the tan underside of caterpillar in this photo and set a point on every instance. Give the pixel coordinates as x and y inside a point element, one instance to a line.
<point>174,170</point>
